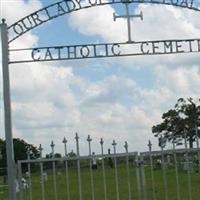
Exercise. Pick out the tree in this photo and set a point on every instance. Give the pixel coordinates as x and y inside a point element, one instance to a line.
<point>180,122</point>
<point>21,148</point>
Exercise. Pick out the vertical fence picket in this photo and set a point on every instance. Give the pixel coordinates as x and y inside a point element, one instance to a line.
<point>78,166</point>
<point>138,177</point>
<point>198,150</point>
<point>152,170</point>
<point>54,171</point>
<point>66,169</point>
<point>29,175</point>
<point>116,171</point>
<point>103,170</point>
<point>143,178</point>
<point>188,168</point>
<point>21,195</point>
<point>42,173</point>
<point>176,171</point>
<point>128,171</point>
<point>91,171</point>
<point>164,168</point>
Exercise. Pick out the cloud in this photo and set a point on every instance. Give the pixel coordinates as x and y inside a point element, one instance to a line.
<point>98,22</point>
<point>180,80</point>
<point>109,90</point>
<point>50,101</point>
<point>13,10</point>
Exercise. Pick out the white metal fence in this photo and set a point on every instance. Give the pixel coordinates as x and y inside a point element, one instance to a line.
<point>111,176</point>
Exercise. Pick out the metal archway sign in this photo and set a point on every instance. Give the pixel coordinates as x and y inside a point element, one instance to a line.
<point>69,52</point>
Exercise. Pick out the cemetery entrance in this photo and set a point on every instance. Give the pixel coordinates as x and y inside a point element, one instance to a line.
<point>130,47</point>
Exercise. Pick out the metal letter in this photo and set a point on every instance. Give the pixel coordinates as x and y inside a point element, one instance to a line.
<point>142,47</point>
<point>178,46</point>
<point>113,49</point>
<point>18,26</point>
<point>168,45</point>
<point>71,52</point>
<point>198,42</point>
<point>33,54</point>
<point>155,46</point>
<point>59,51</point>
<point>36,18</point>
<point>30,22</point>
<point>85,51</point>
<point>60,9</point>
<point>48,54</point>
<point>184,3</point>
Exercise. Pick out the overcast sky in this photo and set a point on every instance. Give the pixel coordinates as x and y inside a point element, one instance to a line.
<point>115,98</point>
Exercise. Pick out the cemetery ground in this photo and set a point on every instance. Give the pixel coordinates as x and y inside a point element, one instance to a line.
<point>110,184</point>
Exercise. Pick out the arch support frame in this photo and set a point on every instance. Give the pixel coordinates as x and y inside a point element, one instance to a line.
<point>7,113</point>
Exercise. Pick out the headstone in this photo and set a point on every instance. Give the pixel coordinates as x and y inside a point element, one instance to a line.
<point>110,161</point>
<point>27,174</point>
<point>139,163</point>
<point>16,185</point>
<point>24,183</point>
<point>5,179</point>
<point>94,162</point>
<point>168,159</point>
<point>58,173</point>
<point>196,164</point>
<point>188,166</point>
<point>45,176</point>
<point>158,164</point>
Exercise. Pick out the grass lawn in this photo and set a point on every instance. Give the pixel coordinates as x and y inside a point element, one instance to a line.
<point>111,187</point>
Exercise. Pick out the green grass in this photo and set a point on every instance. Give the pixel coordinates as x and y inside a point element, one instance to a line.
<point>110,181</point>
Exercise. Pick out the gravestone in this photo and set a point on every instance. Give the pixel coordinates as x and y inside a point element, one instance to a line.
<point>16,185</point>
<point>110,161</point>
<point>188,166</point>
<point>27,174</point>
<point>24,183</point>
<point>94,162</point>
<point>45,176</point>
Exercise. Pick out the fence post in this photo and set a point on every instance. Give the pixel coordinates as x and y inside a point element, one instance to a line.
<point>89,140</point>
<point>66,168</point>
<point>176,170</point>
<point>78,166</point>
<point>29,174</point>
<point>116,172</point>
<point>138,176</point>
<point>7,112</point>
<point>54,171</point>
<point>188,166</point>
<point>128,170</point>
<point>198,150</point>
<point>103,170</point>
<point>152,170</point>
<point>21,196</point>
<point>143,178</point>
<point>163,167</point>
<point>41,173</point>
